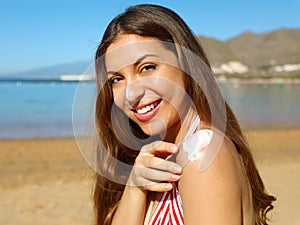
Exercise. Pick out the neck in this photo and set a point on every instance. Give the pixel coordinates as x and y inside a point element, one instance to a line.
<point>176,133</point>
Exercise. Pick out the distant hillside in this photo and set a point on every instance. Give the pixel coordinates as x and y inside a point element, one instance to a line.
<point>256,50</point>
<point>51,72</point>
<point>217,51</point>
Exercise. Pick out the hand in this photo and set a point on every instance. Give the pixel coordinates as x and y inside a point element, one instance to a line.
<point>152,171</point>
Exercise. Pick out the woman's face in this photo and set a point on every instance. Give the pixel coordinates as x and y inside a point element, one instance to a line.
<point>146,82</point>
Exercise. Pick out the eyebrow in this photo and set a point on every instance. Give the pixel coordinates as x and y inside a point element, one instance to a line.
<point>138,61</point>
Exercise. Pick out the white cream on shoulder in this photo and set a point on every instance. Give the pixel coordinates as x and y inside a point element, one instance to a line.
<point>195,141</point>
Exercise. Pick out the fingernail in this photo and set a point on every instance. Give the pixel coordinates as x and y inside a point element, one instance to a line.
<point>168,186</point>
<point>177,169</point>
<point>175,177</point>
<point>174,148</point>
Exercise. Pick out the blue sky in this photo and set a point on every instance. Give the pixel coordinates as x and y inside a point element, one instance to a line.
<point>41,33</point>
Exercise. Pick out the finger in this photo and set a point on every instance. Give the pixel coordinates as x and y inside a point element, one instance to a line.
<point>150,185</point>
<point>159,187</point>
<point>153,162</point>
<point>160,148</point>
<point>156,175</point>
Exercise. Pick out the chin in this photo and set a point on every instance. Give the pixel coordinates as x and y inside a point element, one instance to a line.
<point>156,127</point>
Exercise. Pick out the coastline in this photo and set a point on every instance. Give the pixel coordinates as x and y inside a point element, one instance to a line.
<point>46,181</point>
<point>220,78</point>
<point>275,80</point>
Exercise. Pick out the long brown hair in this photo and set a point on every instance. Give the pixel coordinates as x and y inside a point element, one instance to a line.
<point>162,24</point>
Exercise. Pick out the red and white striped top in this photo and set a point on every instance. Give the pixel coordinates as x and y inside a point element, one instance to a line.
<point>169,210</point>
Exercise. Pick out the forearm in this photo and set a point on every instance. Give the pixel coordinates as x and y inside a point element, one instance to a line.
<point>132,207</point>
<point>149,173</point>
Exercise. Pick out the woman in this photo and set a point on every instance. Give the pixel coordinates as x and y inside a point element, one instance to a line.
<point>160,110</point>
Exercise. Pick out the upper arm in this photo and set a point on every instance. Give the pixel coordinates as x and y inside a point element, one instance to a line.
<point>213,196</point>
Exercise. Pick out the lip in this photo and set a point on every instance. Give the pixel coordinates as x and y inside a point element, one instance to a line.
<point>148,115</point>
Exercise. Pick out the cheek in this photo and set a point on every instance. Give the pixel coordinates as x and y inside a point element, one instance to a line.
<point>119,98</point>
<point>179,101</point>
<point>173,88</point>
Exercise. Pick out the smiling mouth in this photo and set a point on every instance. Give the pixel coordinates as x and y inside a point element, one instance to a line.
<point>147,108</point>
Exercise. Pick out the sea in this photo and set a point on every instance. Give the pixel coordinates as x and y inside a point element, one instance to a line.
<point>44,109</point>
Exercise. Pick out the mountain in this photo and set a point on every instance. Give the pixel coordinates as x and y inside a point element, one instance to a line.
<point>277,47</point>
<point>256,51</point>
<point>51,72</point>
<point>217,51</point>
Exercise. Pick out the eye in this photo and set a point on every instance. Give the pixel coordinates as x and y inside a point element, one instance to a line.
<point>148,67</point>
<point>115,79</point>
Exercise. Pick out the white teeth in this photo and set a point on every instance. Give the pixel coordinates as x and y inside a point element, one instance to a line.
<point>145,109</point>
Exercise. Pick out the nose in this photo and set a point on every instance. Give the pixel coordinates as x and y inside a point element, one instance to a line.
<point>134,92</point>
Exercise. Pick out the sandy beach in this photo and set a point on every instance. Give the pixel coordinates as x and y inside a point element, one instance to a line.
<point>46,181</point>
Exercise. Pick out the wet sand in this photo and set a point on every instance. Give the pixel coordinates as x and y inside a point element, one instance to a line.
<point>46,181</point>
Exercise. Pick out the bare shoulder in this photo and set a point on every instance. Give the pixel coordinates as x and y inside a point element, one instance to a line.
<point>222,159</point>
<point>214,195</point>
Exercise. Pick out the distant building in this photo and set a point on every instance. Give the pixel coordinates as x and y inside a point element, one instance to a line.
<point>231,67</point>
<point>75,77</point>
<point>286,68</point>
